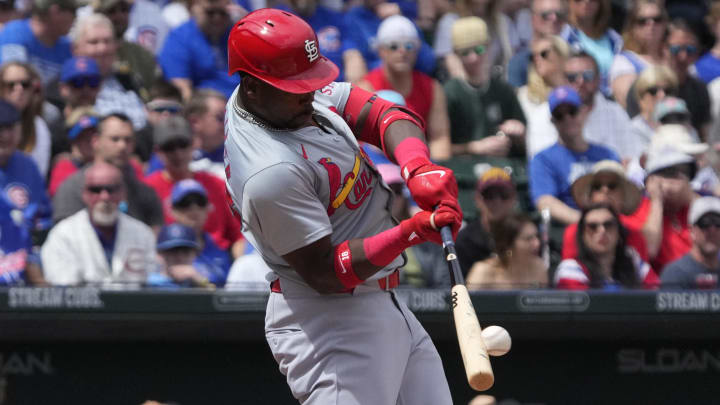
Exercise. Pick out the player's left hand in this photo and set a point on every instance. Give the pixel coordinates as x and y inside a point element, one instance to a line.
<point>430,184</point>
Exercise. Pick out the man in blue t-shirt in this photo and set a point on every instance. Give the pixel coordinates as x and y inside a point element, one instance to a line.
<point>40,39</point>
<point>553,170</point>
<point>195,53</point>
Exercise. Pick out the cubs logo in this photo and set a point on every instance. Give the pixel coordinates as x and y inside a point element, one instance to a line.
<point>351,189</point>
<point>311,50</point>
<point>18,194</point>
<point>329,39</point>
<point>147,37</point>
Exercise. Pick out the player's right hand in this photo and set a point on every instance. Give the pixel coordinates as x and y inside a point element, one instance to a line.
<point>425,225</point>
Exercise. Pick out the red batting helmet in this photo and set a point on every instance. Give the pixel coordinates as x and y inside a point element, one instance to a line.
<point>280,49</point>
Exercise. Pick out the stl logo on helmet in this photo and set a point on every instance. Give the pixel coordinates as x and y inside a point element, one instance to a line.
<point>311,49</point>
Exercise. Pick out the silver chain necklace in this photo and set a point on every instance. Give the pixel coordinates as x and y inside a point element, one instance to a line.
<point>249,117</point>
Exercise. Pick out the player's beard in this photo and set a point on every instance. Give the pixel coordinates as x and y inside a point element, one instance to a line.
<point>105,214</point>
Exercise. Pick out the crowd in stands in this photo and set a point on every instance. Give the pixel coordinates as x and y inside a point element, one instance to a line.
<point>584,134</point>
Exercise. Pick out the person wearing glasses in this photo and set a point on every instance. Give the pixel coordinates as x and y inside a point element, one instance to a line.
<point>553,170</point>
<point>548,55</point>
<point>40,40</point>
<point>100,244</point>
<point>607,123</point>
<point>607,184</point>
<point>191,207</point>
<point>114,144</point>
<point>589,31</point>
<point>398,45</point>
<point>174,147</point>
<point>22,86</point>
<point>699,268</point>
<point>548,19</point>
<point>644,42</point>
<point>485,115</point>
<point>195,53</point>
<point>604,260</point>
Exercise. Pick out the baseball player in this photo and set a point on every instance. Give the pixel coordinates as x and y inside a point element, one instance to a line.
<point>315,208</point>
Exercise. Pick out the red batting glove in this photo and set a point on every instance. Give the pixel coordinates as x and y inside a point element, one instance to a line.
<point>430,184</point>
<point>425,225</point>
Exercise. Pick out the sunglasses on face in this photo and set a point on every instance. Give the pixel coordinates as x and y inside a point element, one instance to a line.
<point>408,46</point>
<point>165,108</point>
<point>216,12</point>
<point>644,20</point>
<point>608,225</point>
<point>192,199</point>
<point>689,49</point>
<point>174,145</point>
<point>675,118</point>
<point>10,85</point>
<point>611,186</point>
<point>544,54</point>
<point>585,75</point>
<point>478,50</point>
<point>490,195</point>
<point>99,188</point>
<point>560,114</point>
<point>653,91</point>
<point>547,14</point>
<point>707,221</point>
<point>87,81</point>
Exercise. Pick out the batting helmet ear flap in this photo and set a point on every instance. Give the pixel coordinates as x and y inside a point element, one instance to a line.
<point>280,49</point>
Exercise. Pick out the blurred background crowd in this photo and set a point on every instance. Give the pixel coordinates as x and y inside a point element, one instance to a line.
<point>584,135</point>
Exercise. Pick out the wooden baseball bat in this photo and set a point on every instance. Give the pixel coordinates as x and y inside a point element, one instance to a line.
<point>472,347</point>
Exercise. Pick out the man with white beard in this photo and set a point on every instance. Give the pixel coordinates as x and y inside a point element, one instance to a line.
<point>99,245</point>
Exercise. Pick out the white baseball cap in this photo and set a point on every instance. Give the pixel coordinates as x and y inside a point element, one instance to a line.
<point>396,28</point>
<point>702,206</point>
<point>664,156</point>
<point>680,137</point>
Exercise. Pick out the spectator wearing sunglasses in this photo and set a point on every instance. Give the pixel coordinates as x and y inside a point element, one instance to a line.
<point>663,216</point>
<point>139,32</point>
<point>177,249</point>
<point>174,147</point>
<point>699,268</point>
<point>495,199</point>
<point>653,86</point>
<point>589,31</point>
<point>607,123</point>
<point>683,50</point>
<point>398,45</point>
<point>607,184</point>
<point>546,72</point>
<point>21,86</point>
<point>191,207</point>
<point>82,127</point>
<point>604,260</point>
<point>553,170</point>
<point>644,41</point>
<point>195,53</point>
<point>40,40</point>
<point>482,105</point>
<point>548,19</point>
<point>79,87</point>
<point>93,37</point>
<point>99,245</point>
<point>114,144</point>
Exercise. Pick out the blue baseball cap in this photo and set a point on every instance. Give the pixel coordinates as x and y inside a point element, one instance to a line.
<point>183,188</point>
<point>9,115</point>
<point>176,235</point>
<point>563,95</point>
<point>83,123</point>
<point>79,67</point>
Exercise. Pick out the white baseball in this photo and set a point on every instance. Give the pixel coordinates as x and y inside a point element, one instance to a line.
<point>497,340</point>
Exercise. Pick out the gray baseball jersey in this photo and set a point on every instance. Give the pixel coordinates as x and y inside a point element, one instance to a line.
<point>295,187</point>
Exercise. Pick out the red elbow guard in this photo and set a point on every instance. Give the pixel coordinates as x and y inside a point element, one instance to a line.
<point>343,266</point>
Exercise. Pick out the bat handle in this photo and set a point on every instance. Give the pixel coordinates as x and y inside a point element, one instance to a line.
<point>446,235</point>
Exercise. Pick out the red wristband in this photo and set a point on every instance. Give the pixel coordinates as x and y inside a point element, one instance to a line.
<point>409,149</point>
<point>383,248</point>
<point>343,266</point>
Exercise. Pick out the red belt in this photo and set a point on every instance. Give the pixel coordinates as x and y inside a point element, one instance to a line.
<point>385,283</point>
